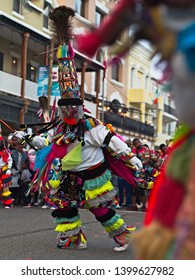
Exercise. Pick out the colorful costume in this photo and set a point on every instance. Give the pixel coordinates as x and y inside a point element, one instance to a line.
<point>5,174</point>
<point>169,228</point>
<point>79,142</point>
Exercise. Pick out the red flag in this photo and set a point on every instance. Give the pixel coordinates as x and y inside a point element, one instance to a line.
<point>155,101</point>
<point>156,96</point>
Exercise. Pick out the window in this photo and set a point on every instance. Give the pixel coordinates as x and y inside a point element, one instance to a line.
<point>138,82</point>
<point>169,101</point>
<point>17,6</point>
<point>146,82</point>
<point>139,79</point>
<point>99,57</point>
<point>80,6</point>
<point>116,71</point>
<point>1,61</point>
<point>31,73</point>
<point>98,17</point>
<point>14,66</point>
<point>132,77</point>
<point>169,128</point>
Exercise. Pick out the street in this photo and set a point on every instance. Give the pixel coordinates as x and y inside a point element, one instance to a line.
<point>29,234</point>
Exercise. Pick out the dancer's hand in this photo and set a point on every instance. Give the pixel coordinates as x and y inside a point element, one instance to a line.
<point>136,162</point>
<point>8,172</point>
<point>20,135</point>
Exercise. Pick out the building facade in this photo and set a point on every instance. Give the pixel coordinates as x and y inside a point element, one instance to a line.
<point>152,101</point>
<point>110,94</point>
<point>26,45</point>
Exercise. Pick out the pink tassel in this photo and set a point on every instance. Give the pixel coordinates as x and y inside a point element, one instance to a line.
<point>71,51</point>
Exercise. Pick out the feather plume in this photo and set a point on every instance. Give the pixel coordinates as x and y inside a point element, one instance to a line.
<point>61,25</point>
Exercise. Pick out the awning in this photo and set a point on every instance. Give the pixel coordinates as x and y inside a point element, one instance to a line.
<point>91,65</point>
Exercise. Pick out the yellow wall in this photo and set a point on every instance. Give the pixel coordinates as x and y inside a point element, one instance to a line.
<point>136,95</point>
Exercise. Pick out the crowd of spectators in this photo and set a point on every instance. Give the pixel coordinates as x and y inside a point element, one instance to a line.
<point>129,197</point>
<point>22,172</point>
<point>135,198</point>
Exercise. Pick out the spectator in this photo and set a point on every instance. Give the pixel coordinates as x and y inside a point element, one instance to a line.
<point>124,190</point>
<point>12,142</point>
<point>25,180</point>
<point>129,143</point>
<point>164,153</point>
<point>19,156</point>
<point>14,186</point>
<point>35,192</point>
<point>5,174</point>
<point>139,193</point>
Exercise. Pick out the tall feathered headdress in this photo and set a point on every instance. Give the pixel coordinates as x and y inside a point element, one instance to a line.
<point>61,26</point>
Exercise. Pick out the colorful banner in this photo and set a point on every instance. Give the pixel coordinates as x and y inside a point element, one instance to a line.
<point>55,90</point>
<point>43,80</point>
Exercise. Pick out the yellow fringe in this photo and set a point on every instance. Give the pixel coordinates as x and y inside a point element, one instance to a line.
<point>115,226</point>
<point>58,142</point>
<point>156,174</point>
<point>91,122</point>
<point>66,227</point>
<point>7,193</point>
<point>91,194</point>
<point>59,52</point>
<point>83,240</point>
<point>75,237</point>
<point>5,167</point>
<point>54,183</point>
<point>150,185</point>
<point>153,241</point>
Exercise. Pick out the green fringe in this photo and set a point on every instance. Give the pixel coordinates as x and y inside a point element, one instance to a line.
<point>70,220</point>
<point>182,130</point>
<point>179,164</point>
<point>111,221</point>
<point>98,181</point>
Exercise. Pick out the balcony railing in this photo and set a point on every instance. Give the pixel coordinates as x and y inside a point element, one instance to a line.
<point>168,109</point>
<point>11,84</point>
<point>127,124</point>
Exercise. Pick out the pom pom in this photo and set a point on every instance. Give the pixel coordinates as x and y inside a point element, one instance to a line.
<point>93,43</point>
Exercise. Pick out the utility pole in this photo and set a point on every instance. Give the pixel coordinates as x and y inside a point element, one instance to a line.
<point>50,77</point>
<point>97,90</point>
<point>83,80</point>
<point>24,108</point>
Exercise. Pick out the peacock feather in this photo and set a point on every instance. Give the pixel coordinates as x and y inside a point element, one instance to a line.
<point>61,25</point>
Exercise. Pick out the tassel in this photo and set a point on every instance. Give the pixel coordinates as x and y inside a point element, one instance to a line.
<point>153,242</point>
<point>105,35</point>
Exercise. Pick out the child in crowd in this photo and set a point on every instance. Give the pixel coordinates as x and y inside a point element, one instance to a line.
<point>34,192</point>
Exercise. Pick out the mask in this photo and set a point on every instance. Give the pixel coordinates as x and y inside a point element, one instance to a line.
<point>71,114</point>
<point>32,158</point>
